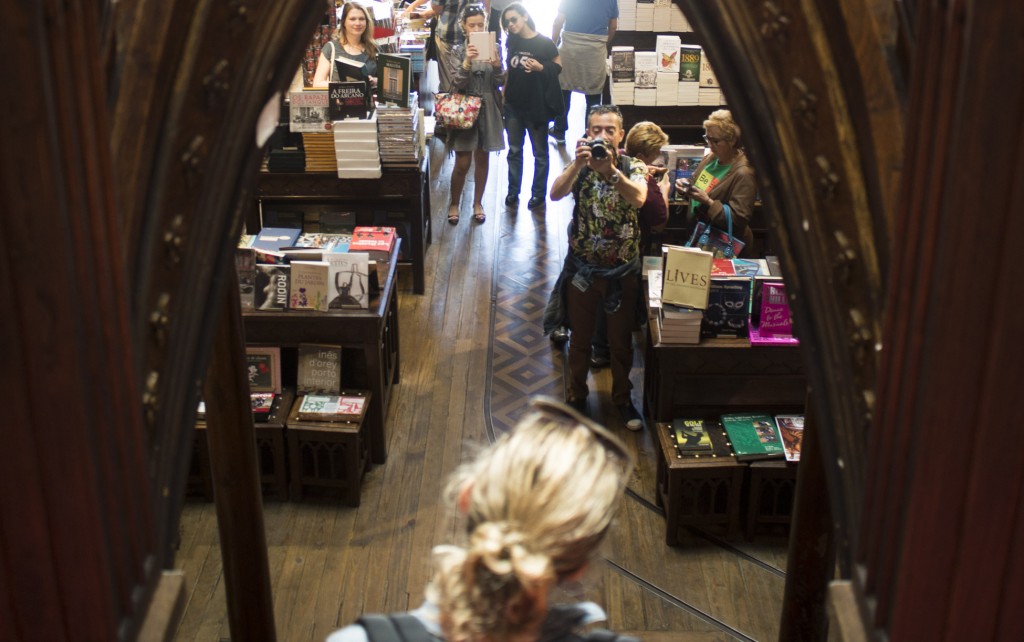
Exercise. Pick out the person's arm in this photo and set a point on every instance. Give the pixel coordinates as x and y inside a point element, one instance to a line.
<point>556,28</point>
<point>562,185</point>
<point>632,187</point>
<point>613,26</point>
<point>412,7</point>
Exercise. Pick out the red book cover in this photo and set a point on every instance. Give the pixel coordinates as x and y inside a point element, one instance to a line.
<point>369,239</point>
<point>722,267</point>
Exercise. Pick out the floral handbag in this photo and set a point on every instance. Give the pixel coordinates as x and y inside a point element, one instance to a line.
<point>456,111</point>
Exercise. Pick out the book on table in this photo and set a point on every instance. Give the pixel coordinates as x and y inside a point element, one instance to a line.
<point>319,369</point>
<point>712,430</point>
<point>349,279</point>
<point>728,307</point>
<point>753,436</point>
<point>272,284</point>
<point>348,99</point>
<point>309,286</point>
<point>262,405</point>
<point>791,429</point>
<point>394,83</point>
<point>686,277</point>
<point>692,435</point>
<point>349,406</point>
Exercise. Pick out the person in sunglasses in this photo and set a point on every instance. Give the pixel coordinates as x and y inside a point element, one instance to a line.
<point>723,176</point>
<point>538,503</point>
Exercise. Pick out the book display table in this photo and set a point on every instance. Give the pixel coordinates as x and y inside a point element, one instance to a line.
<point>270,454</point>
<point>717,376</point>
<point>402,192</point>
<point>326,455</point>
<point>705,492</point>
<point>771,493</point>
<point>369,340</point>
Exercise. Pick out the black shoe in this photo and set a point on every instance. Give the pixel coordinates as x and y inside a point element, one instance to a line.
<point>579,405</point>
<point>557,135</point>
<point>512,200</point>
<point>536,202</point>
<point>560,335</point>
<point>630,416</point>
<point>599,361</point>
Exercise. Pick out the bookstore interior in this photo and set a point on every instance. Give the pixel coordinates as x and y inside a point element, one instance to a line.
<point>229,284</point>
<point>318,262</point>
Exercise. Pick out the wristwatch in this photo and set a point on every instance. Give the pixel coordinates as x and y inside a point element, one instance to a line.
<point>614,178</point>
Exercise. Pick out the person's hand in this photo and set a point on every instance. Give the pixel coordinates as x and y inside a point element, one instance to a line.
<point>530,65</point>
<point>603,166</point>
<point>583,154</point>
<point>495,58</point>
<point>700,196</point>
<point>373,81</point>
<point>682,186</point>
<point>657,171</point>
<point>471,52</point>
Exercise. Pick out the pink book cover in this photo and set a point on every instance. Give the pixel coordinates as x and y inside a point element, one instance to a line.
<point>775,319</point>
<point>758,339</point>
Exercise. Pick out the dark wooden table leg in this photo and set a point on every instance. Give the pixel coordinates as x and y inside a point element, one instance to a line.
<point>236,479</point>
<point>812,544</point>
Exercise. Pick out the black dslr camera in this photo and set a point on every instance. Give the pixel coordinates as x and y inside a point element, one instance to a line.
<point>599,148</point>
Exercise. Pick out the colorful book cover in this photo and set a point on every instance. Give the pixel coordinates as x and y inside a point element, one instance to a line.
<point>791,429</point>
<point>623,64</point>
<point>309,286</point>
<point>262,404</point>
<point>245,265</point>
<point>753,436</point>
<point>689,63</point>
<point>775,319</point>
<point>373,239</point>
<point>263,368</point>
<point>757,340</point>
<point>272,283</point>
<point>348,406</point>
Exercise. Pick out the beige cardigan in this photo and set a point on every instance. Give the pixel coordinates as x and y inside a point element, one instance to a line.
<point>737,188</point>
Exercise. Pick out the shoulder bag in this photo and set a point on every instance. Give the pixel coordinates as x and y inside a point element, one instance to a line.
<point>456,111</point>
<point>721,243</point>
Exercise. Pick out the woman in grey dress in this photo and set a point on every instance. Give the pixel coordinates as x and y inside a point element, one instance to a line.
<point>471,76</point>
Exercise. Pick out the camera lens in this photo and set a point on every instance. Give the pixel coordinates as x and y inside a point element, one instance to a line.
<point>598,149</point>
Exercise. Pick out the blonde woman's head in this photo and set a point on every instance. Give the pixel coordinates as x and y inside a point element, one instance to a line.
<point>720,122</point>
<point>645,140</point>
<point>538,503</point>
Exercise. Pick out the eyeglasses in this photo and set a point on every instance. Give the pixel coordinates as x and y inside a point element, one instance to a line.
<point>571,417</point>
<point>711,141</point>
<point>511,20</point>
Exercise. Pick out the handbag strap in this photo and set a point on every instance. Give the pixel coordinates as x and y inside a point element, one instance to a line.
<point>728,218</point>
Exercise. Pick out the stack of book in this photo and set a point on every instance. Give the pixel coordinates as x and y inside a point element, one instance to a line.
<point>645,91</point>
<point>398,132</point>
<point>710,91</point>
<point>627,15</point>
<point>680,325</point>
<point>623,68</point>
<point>667,81</point>
<point>286,159</point>
<point>677,21</point>
<point>688,89</point>
<point>320,156</point>
<point>644,15</point>
<point>662,14</point>
<point>356,150</point>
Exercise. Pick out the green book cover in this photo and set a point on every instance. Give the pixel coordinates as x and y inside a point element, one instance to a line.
<point>753,436</point>
<point>689,63</point>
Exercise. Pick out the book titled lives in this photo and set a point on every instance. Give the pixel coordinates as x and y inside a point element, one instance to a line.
<point>791,429</point>
<point>753,436</point>
<point>319,370</point>
<point>686,277</point>
<point>272,287</point>
<point>348,406</point>
<point>348,99</point>
<point>309,285</point>
<point>394,81</point>
<point>349,276</point>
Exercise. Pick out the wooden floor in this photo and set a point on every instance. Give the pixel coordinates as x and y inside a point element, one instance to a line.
<point>472,351</point>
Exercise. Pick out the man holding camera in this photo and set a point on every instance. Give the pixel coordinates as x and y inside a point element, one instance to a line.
<point>600,271</point>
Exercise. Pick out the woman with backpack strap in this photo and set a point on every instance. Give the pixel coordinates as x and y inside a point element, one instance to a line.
<point>538,504</point>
